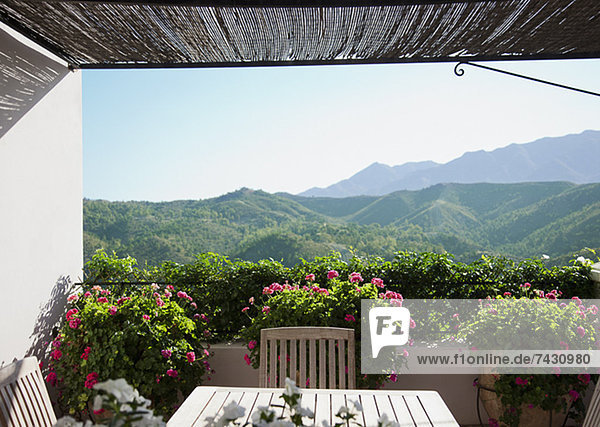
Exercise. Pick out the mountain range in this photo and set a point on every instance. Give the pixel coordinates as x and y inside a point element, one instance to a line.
<point>516,220</point>
<point>571,158</point>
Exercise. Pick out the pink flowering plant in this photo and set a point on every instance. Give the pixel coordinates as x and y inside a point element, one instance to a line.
<point>540,321</point>
<point>149,335</point>
<point>310,304</point>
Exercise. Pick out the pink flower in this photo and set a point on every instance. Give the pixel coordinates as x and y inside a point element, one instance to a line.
<point>105,292</point>
<point>377,282</point>
<point>56,354</point>
<point>355,277</point>
<point>91,379</point>
<point>160,302</point>
<point>493,422</point>
<point>196,316</point>
<point>86,353</point>
<point>168,294</point>
<point>577,300</point>
<point>172,373</point>
<point>247,359</point>
<point>73,297</point>
<point>526,285</point>
<point>507,294</point>
<point>266,309</point>
<point>564,345</point>
<point>584,378</point>
<point>74,323</point>
<point>51,378</point>
<point>146,317</point>
<point>204,317</point>
<point>520,381</point>
<point>349,318</point>
<point>551,297</point>
<point>206,353</point>
<point>71,312</point>
<point>102,300</point>
<point>245,309</point>
<point>252,344</point>
<point>122,300</point>
<point>170,287</point>
<point>112,310</point>
<point>182,294</point>
<point>332,274</point>
<point>166,353</point>
<point>574,395</point>
<point>194,305</point>
<point>310,277</point>
<point>405,352</point>
<point>412,324</point>
<point>251,300</point>
<point>191,356</point>
<point>87,294</point>
<point>393,378</point>
<point>581,331</point>
<point>593,309</point>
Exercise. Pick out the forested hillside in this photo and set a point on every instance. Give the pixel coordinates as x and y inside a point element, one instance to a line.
<point>518,220</point>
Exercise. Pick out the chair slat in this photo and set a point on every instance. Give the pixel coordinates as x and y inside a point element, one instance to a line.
<point>272,380</point>
<point>592,418</point>
<point>312,364</point>
<point>331,368</point>
<point>282,362</point>
<point>32,392</point>
<point>342,363</point>
<point>262,374</point>
<point>322,364</point>
<point>293,366</point>
<point>302,355</point>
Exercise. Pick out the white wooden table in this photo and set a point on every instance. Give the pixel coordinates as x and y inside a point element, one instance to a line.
<point>408,408</point>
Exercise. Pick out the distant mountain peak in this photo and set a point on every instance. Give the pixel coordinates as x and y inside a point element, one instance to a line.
<point>566,158</point>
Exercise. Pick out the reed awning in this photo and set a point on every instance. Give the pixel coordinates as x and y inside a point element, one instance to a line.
<point>188,33</point>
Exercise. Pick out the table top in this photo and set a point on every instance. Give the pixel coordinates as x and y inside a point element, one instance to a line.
<point>408,408</point>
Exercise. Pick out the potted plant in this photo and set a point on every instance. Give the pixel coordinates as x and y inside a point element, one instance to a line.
<point>533,321</point>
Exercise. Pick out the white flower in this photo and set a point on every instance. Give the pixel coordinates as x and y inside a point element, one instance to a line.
<point>580,259</point>
<point>233,411</point>
<point>282,423</point>
<point>544,256</point>
<point>290,388</point>
<point>305,412</point>
<point>98,402</point>
<point>122,391</point>
<point>383,421</point>
<point>67,422</point>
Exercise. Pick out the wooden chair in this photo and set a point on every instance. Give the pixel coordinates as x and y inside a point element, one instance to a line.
<point>283,353</point>
<point>24,399</point>
<point>592,417</point>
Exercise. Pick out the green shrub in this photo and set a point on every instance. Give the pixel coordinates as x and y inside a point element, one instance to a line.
<point>150,335</point>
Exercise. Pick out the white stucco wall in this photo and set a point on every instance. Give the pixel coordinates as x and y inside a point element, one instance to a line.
<point>40,195</point>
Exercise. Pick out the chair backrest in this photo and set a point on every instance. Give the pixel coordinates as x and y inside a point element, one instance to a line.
<point>592,416</point>
<point>312,356</point>
<point>24,399</point>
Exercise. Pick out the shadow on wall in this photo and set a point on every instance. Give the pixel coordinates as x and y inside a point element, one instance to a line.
<point>26,76</point>
<point>48,321</point>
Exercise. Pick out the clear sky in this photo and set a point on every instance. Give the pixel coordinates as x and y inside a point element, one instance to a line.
<point>198,133</point>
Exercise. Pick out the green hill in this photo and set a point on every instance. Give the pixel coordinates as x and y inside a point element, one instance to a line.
<point>517,220</point>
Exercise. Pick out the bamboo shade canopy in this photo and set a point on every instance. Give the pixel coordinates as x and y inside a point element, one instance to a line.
<point>188,33</point>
